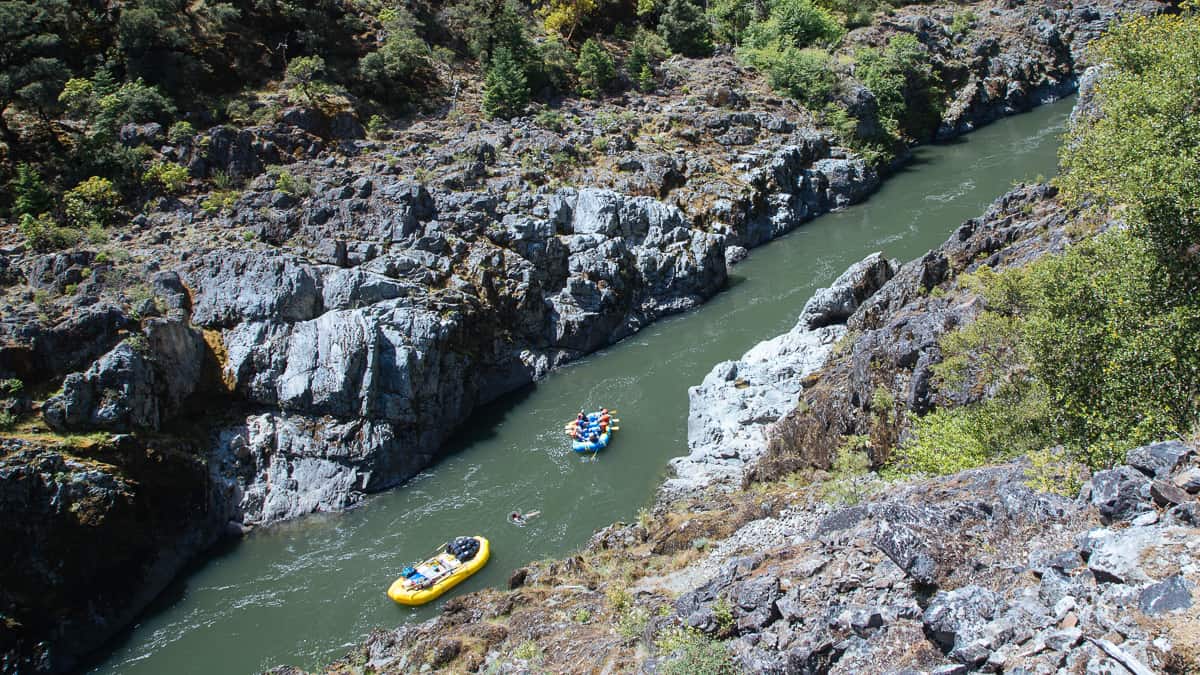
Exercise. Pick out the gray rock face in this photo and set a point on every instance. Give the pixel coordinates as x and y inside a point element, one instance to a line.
<point>1159,459</point>
<point>1121,493</point>
<point>136,386</point>
<point>1171,594</point>
<point>956,619</point>
<point>729,411</point>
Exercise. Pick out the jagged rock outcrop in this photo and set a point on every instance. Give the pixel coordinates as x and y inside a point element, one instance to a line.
<point>136,386</point>
<point>729,412</point>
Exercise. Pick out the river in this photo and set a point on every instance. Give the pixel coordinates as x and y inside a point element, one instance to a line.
<point>301,593</point>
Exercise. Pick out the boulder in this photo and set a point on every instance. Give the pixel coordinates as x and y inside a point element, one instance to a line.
<point>1165,596</point>
<point>836,303</point>
<point>956,619</point>
<point>1120,493</point>
<point>1158,460</point>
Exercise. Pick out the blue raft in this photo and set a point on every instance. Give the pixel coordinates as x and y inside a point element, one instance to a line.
<point>588,446</point>
<point>592,426</point>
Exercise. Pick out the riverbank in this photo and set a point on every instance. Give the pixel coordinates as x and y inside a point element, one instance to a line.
<point>335,320</point>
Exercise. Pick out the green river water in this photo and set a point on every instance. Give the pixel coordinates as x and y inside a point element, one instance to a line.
<point>302,592</point>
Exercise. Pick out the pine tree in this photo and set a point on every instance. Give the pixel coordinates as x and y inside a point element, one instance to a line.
<point>505,89</point>
<point>685,28</point>
<point>595,68</point>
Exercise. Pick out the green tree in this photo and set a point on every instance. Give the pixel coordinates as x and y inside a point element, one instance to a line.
<point>30,194</point>
<point>31,67</point>
<point>505,89</point>
<point>91,204</point>
<point>401,60</point>
<point>804,74</point>
<point>685,29</point>
<point>1142,151</point>
<point>795,23</point>
<point>730,19</point>
<point>904,84</point>
<point>595,68</point>
<point>564,16</point>
<point>306,76</point>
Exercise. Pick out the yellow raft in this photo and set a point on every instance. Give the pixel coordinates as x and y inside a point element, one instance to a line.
<point>450,566</point>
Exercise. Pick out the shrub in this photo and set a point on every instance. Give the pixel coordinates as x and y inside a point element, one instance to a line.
<point>401,60</point>
<point>963,22</point>
<point>181,133</point>
<point>170,177</point>
<point>685,29</point>
<point>564,16</point>
<point>904,84</point>
<point>305,78</point>
<point>804,74</point>
<point>92,203</point>
<point>505,89</point>
<point>7,420</point>
<point>42,233</point>
<point>730,19</point>
<point>11,387</point>
<point>1143,150</point>
<point>595,68</point>
<point>648,49</point>
<point>795,23</point>
<point>376,126</point>
<point>692,653</point>
<point>850,463</point>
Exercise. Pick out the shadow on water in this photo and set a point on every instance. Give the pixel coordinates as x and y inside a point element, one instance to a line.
<point>485,421</point>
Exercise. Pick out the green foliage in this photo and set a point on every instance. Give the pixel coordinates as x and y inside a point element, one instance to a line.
<point>631,621</point>
<point>685,29</point>
<point>794,23</point>
<point>181,133</point>
<point>30,194</point>
<point>963,22</point>
<point>505,89</point>
<point>1142,151</point>
<point>1054,471</point>
<point>582,615</point>
<point>692,653</point>
<point>730,19</point>
<point>647,51</point>
<point>527,651</point>
<point>92,203</point>
<point>564,16</point>
<point>377,126</point>
<point>42,233</point>
<point>850,465</point>
<point>220,201</point>
<point>288,183</point>
<point>306,79</point>
<point>1117,348</point>
<point>11,387</point>
<point>804,74</point>
<point>32,69</point>
<point>595,68</point>
<point>171,178</point>
<point>7,420</point>
<point>402,59</point>
<point>904,84</point>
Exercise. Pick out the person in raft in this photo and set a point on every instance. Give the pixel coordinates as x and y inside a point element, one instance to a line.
<point>605,419</point>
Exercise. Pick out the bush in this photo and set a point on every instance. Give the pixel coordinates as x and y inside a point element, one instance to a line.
<point>11,387</point>
<point>963,22</point>
<point>685,29</point>
<point>92,203</point>
<point>181,133</point>
<point>305,78</point>
<point>564,16</point>
<point>804,74</point>
<point>595,68</point>
<point>850,464</point>
<point>648,50</point>
<point>692,653</point>
<point>730,19</point>
<point>1143,150</point>
<point>794,23</point>
<point>43,234</point>
<point>904,84</point>
<point>505,89</point>
<point>401,60</point>
<point>168,176</point>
